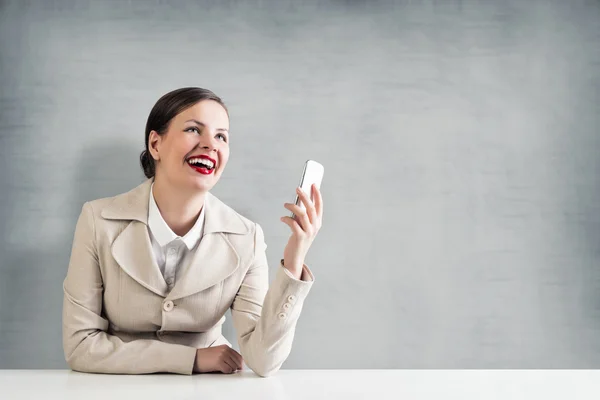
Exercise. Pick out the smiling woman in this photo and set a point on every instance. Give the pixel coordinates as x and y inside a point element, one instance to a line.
<point>199,121</point>
<point>153,271</point>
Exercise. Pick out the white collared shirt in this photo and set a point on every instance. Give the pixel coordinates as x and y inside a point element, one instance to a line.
<point>171,251</point>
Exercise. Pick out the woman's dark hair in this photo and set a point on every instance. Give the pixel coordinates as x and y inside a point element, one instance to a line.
<point>167,107</point>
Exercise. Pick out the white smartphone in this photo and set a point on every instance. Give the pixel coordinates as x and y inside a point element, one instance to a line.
<point>312,174</point>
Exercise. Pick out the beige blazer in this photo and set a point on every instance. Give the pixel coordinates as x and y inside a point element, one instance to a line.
<point>119,317</point>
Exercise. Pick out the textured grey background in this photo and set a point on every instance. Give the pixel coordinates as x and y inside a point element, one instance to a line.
<point>460,142</point>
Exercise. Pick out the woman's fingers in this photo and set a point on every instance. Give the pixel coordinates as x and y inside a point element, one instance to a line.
<point>237,358</point>
<point>308,204</point>
<point>318,201</point>
<point>309,218</point>
<point>227,364</point>
<point>301,216</point>
<point>293,224</point>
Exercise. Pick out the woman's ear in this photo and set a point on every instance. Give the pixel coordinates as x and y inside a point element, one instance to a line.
<point>154,140</point>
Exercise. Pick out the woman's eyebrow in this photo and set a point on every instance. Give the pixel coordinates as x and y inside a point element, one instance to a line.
<point>203,125</point>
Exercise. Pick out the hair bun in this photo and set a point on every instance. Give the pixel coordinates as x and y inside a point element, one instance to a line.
<point>147,164</point>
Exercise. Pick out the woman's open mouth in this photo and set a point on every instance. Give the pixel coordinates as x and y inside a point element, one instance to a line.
<point>202,164</point>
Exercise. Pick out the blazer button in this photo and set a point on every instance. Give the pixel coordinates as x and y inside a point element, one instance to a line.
<point>286,306</point>
<point>292,298</point>
<point>282,315</point>
<point>168,305</point>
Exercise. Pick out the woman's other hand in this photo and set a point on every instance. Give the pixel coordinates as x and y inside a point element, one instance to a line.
<point>218,359</point>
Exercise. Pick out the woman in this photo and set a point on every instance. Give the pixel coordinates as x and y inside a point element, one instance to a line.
<point>153,271</point>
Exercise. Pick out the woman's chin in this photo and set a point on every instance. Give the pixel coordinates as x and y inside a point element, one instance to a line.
<point>200,182</point>
<point>203,184</point>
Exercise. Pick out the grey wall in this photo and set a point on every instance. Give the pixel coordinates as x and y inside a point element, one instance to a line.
<point>460,141</point>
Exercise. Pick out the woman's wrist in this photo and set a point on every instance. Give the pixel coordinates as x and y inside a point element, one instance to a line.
<point>294,268</point>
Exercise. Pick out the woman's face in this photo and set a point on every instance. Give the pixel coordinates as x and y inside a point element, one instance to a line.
<point>193,153</point>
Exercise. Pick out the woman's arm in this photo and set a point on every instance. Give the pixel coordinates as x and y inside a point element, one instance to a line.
<point>87,346</point>
<point>266,328</point>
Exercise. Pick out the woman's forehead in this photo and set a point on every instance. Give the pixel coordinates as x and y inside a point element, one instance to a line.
<point>209,113</point>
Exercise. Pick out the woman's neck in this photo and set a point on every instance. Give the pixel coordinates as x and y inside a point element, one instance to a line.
<point>179,209</point>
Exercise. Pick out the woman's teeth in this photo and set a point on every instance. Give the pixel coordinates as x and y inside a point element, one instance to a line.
<point>201,162</point>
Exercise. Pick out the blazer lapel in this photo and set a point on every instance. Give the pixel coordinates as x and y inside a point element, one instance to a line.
<point>133,252</point>
<point>215,258</point>
<point>132,249</point>
<point>132,205</point>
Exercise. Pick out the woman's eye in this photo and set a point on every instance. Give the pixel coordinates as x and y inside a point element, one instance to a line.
<point>223,137</point>
<point>192,128</point>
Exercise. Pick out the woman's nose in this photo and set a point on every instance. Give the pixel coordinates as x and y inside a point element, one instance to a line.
<point>207,143</point>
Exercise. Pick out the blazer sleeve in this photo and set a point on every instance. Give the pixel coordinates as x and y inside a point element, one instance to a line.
<point>265,317</point>
<point>86,344</point>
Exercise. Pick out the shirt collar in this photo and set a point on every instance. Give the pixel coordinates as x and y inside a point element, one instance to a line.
<point>161,231</point>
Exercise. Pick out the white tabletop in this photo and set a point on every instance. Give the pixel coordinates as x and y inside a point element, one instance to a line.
<point>305,384</point>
